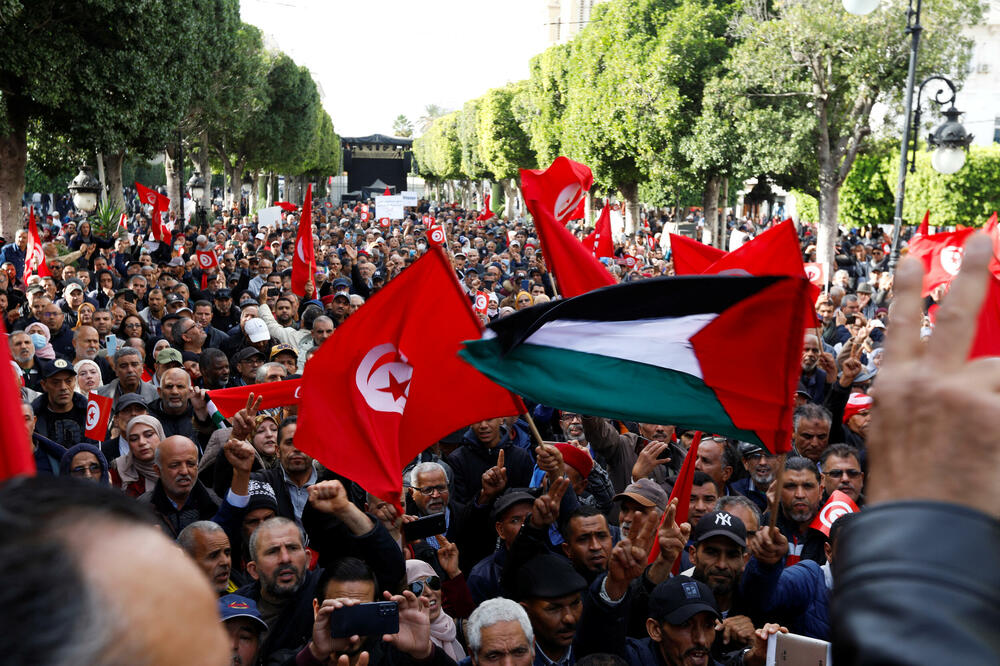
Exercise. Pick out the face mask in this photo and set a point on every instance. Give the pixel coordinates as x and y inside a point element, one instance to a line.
<point>38,340</point>
<point>421,246</point>
<point>492,311</point>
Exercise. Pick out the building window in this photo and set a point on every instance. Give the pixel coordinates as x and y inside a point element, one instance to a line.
<point>996,130</point>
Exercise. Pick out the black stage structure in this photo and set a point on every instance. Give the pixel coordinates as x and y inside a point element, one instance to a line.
<point>375,162</point>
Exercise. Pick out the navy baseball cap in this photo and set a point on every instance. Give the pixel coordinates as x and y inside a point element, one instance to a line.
<point>678,599</point>
<point>233,606</point>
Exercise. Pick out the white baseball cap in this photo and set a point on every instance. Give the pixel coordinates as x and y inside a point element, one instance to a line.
<point>256,330</point>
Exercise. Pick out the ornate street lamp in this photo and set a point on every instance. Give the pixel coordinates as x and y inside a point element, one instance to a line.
<point>950,139</point>
<point>85,189</point>
<point>197,187</point>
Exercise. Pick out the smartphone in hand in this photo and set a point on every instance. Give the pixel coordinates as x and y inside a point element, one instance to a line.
<point>372,619</point>
<point>427,526</point>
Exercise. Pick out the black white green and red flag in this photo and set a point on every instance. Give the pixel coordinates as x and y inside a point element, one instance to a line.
<point>711,353</point>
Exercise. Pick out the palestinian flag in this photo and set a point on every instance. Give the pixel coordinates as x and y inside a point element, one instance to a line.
<point>711,353</point>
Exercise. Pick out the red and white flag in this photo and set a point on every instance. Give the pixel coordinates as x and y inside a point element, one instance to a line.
<point>390,383</point>
<point>207,261</point>
<point>34,258</point>
<point>304,260</point>
<point>835,507</point>
<point>436,234</point>
<point>482,302</point>
<point>816,272</point>
<point>160,204</point>
<point>941,255</point>
<point>98,416</point>
<point>123,222</point>
<point>556,196</point>
<point>599,240</point>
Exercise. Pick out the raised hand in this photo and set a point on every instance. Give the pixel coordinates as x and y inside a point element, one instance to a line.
<point>649,458</point>
<point>447,555</point>
<point>494,481</point>
<point>240,454</point>
<point>930,392</point>
<point>758,650</point>
<point>736,627</point>
<point>243,420</point>
<point>323,645</point>
<point>672,537</point>
<point>550,460</point>
<point>545,510</point>
<point>769,545</point>
<point>414,637</point>
<point>329,497</point>
<point>628,558</point>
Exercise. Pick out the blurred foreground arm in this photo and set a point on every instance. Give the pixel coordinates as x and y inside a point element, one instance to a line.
<point>915,576</point>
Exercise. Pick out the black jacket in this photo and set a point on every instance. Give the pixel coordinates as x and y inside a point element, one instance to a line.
<point>812,541</point>
<point>917,583</point>
<point>472,459</point>
<point>63,429</point>
<point>201,504</point>
<point>276,479</point>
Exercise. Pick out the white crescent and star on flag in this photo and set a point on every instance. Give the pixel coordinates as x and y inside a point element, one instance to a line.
<point>383,378</point>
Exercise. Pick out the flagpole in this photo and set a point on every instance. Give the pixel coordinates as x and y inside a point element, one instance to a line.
<point>778,479</point>
<point>531,424</point>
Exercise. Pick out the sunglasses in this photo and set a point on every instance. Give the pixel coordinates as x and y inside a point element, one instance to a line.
<point>837,473</point>
<point>417,586</point>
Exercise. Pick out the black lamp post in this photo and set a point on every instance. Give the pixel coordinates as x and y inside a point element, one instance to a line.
<point>197,187</point>
<point>950,139</point>
<point>85,189</point>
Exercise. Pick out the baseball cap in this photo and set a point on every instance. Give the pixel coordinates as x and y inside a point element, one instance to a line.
<point>223,293</point>
<point>678,599</point>
<point>246,353</point>
<point>169,355</point>
<point>50,368</point>
<point>127,400</point>
<point>256,330</point>
<point>233,606</point>
<point>71,286</point>
<point>174,298</point>
<point>864,288</point>
<point>720,523</point>
<point>646,492</point>
<point>750,448</point>
<point>547,576</point>
<point>340,294</point>
<point>342,283</point>
<point>509,498</point>
<point>283,347</point>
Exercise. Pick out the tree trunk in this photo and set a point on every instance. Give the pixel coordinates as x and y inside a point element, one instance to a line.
<point>254,192</point>
<point>204,164</point>
<point>710,204</point>
<point>829,203</point>
<point>102,176</point>
<point>588,210</point>
<point>170,165</point>
<point>13,159</point>
<point>510,198</point>
<point>630,193</point>
<point>113,173</point>
<point>721,226</point>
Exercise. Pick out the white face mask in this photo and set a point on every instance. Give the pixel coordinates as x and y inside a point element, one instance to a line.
<point>421,246</point>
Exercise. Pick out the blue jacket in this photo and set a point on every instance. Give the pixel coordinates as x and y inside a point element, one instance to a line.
<point>797,594</point>
<point>15,255</point>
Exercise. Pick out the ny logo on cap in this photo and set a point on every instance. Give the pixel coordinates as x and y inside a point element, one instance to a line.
<point>723,519</point>
<point>691,590</point>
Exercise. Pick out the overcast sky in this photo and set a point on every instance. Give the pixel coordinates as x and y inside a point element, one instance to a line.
<point>404,53</point>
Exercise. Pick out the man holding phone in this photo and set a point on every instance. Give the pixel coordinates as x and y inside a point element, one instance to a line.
<point>352,629</point>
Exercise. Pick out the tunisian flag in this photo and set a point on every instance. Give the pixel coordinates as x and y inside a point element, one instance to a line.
<point>599,241</point>
<point>304,261</point>
<point>15,449</point>
<point>942,256</point>
<point>160,204</point>
<point>98,416</point>
<point>389,383</point>
<point>34,261</point>
<point>555,196</point>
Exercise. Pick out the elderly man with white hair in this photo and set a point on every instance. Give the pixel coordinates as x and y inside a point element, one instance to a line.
<point>499,632</point>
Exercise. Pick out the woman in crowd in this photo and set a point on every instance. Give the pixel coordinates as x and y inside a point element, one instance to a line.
<point>135,472</point>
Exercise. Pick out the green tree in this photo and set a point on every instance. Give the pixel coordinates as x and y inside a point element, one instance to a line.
<point>503,144</point>
<point>112,82</point>
<point>866,197</point>
<point>540,105</point>
<point>806,72</point>
<point>402,126</point>
<point>438,153</point>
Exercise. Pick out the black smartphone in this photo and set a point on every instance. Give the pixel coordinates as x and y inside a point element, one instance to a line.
<point>373,619</point>
<point>427,526</point>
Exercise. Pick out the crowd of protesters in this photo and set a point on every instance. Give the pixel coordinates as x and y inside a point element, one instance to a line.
<point>544,558</point>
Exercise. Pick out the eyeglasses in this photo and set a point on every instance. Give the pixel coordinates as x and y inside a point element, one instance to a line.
<point>837,473</point>
<point>495,657</point>
<point>417,586</point>
<point>430,490</point>
<point>89,470</point>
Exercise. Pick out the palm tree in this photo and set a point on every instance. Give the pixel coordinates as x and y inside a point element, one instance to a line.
<point>431,113</point>
<point>402,126</point>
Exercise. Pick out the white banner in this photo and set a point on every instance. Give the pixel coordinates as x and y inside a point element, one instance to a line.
<point>410,199</point>
<point>390,207</point>
<point>269,216</point>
